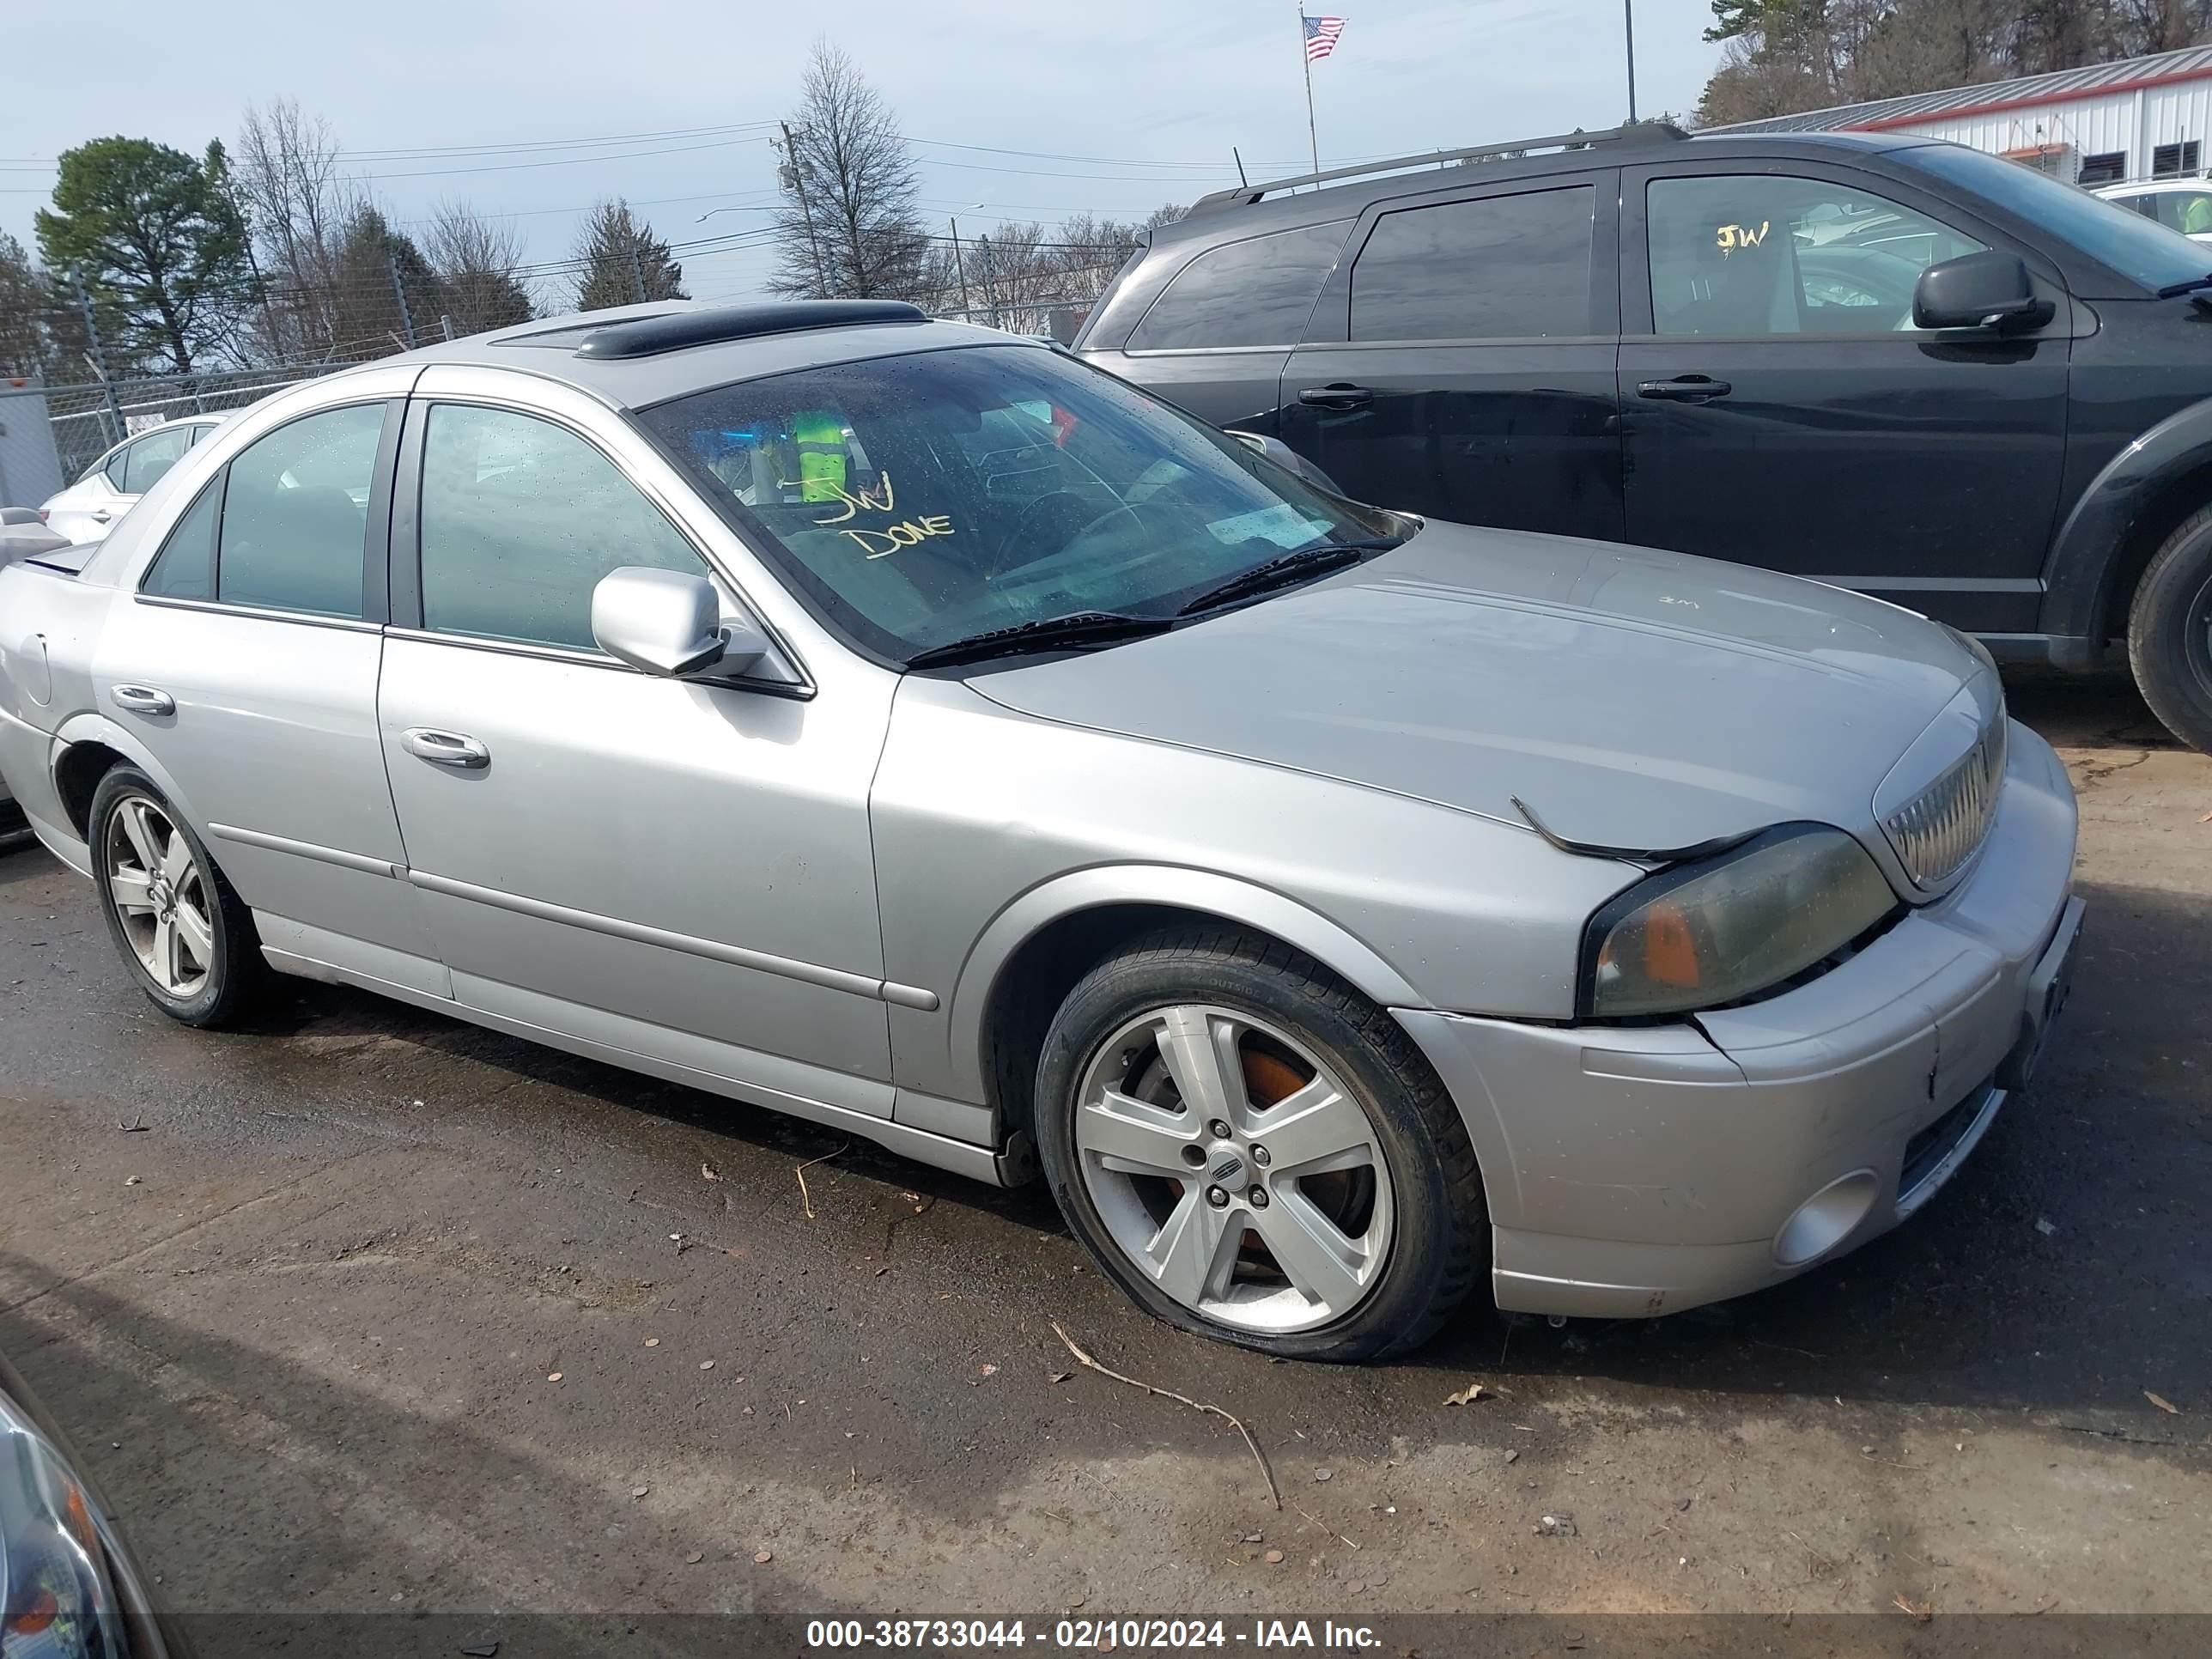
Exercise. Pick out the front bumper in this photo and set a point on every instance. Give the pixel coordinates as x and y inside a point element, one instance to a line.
<point>1639,1171</point>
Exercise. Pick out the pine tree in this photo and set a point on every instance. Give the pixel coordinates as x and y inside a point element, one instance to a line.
<point>624,261</point>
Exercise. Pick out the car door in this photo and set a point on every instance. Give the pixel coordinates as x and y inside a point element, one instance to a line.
<point>248,667</point>
<point>1460,361</point>
<point>679,868</point>
<point>1781,408</point>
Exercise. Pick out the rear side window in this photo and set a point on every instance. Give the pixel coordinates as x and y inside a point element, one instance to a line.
<point>295,514</point>
<point>1254,293</point>
<point>184,568</point>
<point>1506,267</point>
<point>145,461</point>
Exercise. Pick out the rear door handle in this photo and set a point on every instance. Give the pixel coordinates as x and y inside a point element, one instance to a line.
<point>445,748</point>
<point>101,515</point>
<point>1337,397</point>
<point>142,699</point>
<point>1687,389</point>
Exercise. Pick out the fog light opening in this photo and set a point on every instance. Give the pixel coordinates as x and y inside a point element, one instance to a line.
<point>1825,1219</point>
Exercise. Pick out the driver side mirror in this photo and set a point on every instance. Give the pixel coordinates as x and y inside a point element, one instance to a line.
<point>669,623</point>
<point>1988,290</point>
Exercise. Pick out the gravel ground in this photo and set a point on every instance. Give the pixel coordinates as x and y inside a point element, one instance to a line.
<point>383,1313</point>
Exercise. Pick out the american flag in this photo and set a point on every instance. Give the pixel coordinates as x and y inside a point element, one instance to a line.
<point>1320,37</point>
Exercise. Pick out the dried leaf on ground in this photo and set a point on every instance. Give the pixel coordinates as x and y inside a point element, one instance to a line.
<point>1919,1612</point>
<point>2162,1403</point>
<point>1470,1395</point>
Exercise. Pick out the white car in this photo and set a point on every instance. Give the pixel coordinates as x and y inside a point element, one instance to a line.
<point>2183,205</point>
<point>112,485</point>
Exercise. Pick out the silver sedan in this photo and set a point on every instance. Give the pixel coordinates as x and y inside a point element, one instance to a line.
<point>915,730</point>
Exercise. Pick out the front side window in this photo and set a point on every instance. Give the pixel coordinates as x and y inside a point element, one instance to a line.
<point>918,500</point>
<point>2141,250</point>
<point>1253,292</point>
<point>145,461</point>
<point>1504,267</point>
<point>521,518</point>
<point>1763,254</point>
<point>295,514</point>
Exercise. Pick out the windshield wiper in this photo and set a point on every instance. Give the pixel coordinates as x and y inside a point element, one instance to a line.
<point>2175,291</point>
<point>1084,628</point>
<point>1289,567</point>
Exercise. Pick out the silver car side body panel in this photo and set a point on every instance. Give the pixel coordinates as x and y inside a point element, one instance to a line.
<point>989,825</point>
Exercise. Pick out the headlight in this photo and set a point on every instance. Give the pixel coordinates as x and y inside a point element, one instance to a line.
<point>57,1598</point>
<point>1723,928</point>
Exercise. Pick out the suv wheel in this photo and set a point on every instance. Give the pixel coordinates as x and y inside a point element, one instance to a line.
<point>1255,1152</point>
<point>2170,633</point>
<point>188,938</point>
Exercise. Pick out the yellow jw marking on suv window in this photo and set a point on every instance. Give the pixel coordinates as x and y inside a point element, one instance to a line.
<point>1729,238</point>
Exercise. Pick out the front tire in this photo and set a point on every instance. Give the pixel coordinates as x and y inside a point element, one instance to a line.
<point>2170,633</point>
<point>187,938</point>
<point>1255,1152</point>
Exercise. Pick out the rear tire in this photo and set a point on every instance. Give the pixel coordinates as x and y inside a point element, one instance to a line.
<point>2170,632</point>
<point>186,938</point>
<point>1341,1219</point>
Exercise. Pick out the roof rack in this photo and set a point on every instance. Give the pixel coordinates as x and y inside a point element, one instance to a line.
<point>1638,131</point>
<point>647,337</point>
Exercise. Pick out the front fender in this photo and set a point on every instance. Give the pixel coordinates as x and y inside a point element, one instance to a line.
<point>2079,574</point>
<point>1233,900</point>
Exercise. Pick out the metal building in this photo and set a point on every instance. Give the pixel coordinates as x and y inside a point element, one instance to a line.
<point>2141,118</point>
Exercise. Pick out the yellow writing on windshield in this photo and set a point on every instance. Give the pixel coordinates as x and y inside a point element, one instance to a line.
<point>878,500</point>
<point>882,544</point>
<point>1729,238</point>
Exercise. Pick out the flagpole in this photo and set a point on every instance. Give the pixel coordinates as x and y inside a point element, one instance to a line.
<point>1313,135</point>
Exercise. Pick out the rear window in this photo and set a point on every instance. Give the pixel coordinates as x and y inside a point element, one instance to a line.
<point>1503,267</point>
<point>1254,293</point>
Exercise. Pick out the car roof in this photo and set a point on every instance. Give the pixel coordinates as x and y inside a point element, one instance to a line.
<point>1226,216</point>
<point>768,338</point>
<point>2187,181</point>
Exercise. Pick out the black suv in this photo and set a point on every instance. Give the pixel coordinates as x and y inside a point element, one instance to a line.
<point>1896,365</point>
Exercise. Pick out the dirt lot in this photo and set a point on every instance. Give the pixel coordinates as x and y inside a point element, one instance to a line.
<point>381,1312</point>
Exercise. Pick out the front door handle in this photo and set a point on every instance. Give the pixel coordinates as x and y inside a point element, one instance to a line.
<point>142,699</point>
<point>1686,389</point>
<point>101,515</point>
<point>445,748</point>
<point>1339,395</point>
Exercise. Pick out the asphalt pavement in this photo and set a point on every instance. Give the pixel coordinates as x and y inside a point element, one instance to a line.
<point>366,1311</point>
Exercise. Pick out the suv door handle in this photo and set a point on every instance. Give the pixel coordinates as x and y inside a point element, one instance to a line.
<point>142,699</point>
<point>1688,389</point>
<point>445,748</point>
<point>1339,395</point>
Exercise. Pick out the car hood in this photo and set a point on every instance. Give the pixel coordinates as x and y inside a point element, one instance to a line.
<point>1631,699</point>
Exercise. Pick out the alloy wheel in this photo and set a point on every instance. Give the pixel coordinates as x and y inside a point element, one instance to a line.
<point>1234,1169</point>
<point>161,895</point>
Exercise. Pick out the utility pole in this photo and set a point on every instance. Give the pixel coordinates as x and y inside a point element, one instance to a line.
<point>400,293</point>
<point>636,271</point>
<point>794,181</point>
<point>98,358</point>
<point>961,266</point>
<point>1628,17</point>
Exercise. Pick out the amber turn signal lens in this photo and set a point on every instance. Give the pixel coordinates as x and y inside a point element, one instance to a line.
<point>1670,952</point>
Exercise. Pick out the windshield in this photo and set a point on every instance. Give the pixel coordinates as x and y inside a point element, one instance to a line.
<point>923,498</point>
<point>2140,249</point>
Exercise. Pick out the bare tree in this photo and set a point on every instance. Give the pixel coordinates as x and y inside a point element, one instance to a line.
<point>850,228</point>
<point>298,202</point>
<point>477,261</point>
<point>623,262</point>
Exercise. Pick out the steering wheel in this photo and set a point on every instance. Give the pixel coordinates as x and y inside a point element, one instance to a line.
<point>1058,500</point>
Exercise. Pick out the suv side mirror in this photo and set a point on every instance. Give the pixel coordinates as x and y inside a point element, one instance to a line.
<point>1988,290</point>
<point>669,623</point>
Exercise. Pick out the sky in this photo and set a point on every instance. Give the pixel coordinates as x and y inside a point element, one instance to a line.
<point>1014,112</point>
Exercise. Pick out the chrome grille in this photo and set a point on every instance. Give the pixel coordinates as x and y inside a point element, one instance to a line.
<point>1938,831</point>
